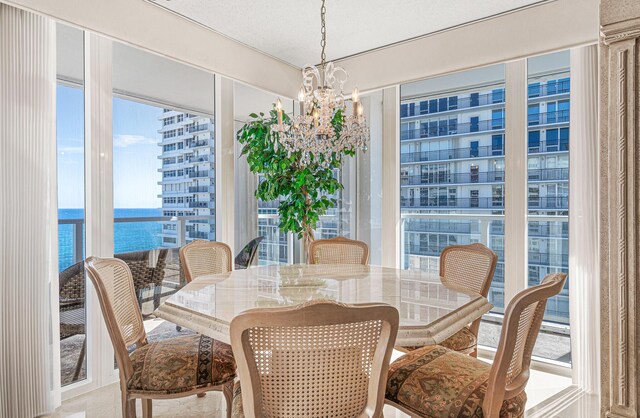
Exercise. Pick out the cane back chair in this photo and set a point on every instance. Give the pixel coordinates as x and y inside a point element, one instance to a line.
<point>467,267</point>
<point>166,369</point>
<point>205,257</point>
<point>338,250</point>
<point>321,359</point>
<point>436,382</point>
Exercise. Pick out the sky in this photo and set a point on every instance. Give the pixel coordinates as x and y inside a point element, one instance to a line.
<point>135,152</point>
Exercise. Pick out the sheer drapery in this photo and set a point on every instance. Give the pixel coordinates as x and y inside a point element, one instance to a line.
<point>28,227</point>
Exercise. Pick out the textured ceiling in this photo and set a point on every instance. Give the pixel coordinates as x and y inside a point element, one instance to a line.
<point>290,29</point>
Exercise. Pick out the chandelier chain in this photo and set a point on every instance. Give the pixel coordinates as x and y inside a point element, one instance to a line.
<point>323,32</point>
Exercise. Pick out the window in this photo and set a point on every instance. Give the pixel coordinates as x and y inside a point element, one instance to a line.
<point>474,188</point>
<point>548,191</point>
<point>71,231</point>
<point>146,192</point>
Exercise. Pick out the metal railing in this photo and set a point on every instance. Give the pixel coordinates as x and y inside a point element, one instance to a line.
<point>201,189</point>
<point>199,174</point>
<point>559,116</point>
<point>451,154</point>
<point>452,127</point>
<point>542,90</point>
<point>198,128</point>
<point>453,178</point>
<point>428,107</point>
<point>201,205</point>
<point>549,146</point>
<point>495,203</point>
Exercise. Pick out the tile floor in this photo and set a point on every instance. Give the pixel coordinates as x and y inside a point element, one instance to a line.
<point>105,402</point>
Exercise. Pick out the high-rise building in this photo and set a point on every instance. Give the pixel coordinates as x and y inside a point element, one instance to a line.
<point>452,175</point>
<point>188,176</point>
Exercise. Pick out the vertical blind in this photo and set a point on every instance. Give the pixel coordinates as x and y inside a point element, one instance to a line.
<point>28,227</point>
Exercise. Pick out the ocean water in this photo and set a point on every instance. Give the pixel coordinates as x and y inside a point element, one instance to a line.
<point>127,236</point>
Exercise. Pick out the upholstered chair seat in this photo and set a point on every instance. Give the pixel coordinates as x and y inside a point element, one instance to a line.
<point>181,364</point>
<point>463,341</point>
<point>436,382</point>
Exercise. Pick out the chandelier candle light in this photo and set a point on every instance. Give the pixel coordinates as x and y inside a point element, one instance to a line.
<point>312,133</point>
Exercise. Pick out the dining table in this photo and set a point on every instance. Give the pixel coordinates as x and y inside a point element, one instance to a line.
<point>430,311</point>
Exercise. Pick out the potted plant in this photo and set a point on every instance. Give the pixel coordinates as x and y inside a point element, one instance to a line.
<point>304,190</point>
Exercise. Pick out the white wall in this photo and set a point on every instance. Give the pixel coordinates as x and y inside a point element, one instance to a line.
<point>149,27</point>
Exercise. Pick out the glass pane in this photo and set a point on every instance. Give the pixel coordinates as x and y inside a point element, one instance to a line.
<point>70,150</point>
<point>452,178</point>
<point>548,194</point>
<point>164,177</point>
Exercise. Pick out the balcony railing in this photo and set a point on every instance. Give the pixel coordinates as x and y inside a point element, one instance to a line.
<point>201,235</point>
<point>202,205</point>
<point>541,90</point>
<point>495,203</point>
<point>450,128</point>
<point>198,128</point>
<point>560,116</point>
<point>453,178</point>
<point>199,158</point>
<point>461,103</point>
<point>549,146</point>
<point>548,174</point>
<point>451,154</point>
<point>200,143</point>
<point>200,174</point>
<point>201,189</point>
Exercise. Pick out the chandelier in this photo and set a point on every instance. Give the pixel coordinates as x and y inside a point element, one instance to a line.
<point>312,132</point>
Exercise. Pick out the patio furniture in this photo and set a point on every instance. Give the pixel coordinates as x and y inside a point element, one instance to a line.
<point>166,369</point>
<point>435,382</point>
<point>205,257</point>
<point>321,359</point>
<point>468,267</point>
<point>71,291</point>
<point>145,276</point>
<point>248,255</point>
<point>338,250</point>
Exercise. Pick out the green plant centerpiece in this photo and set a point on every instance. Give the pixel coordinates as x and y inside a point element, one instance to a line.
<point>304,189</point>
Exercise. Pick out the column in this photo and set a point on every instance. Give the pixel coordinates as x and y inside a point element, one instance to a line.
<point>225,161</point>
<point>619,203</point>
<point>391,177</point>
<point>28,218</point>
<point>583,219</point>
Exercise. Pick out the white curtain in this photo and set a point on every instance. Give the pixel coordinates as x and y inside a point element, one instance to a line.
<point>28,220</point>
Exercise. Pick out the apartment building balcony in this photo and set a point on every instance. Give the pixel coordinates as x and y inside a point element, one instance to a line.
<point>560,87</point>
<point>451,154</point>
<point>200,143</point>
<point>546,146</point>
<point>548,174</point>
<point>200,158</point>
<point>452,129</point>
<point>546,118</point>
<point>493,203</point>
<point>453,178</point>
<point>200,174</point>
<point>201,235</point>
<point>202,205</point>
<point>202,189</point>
<point>198,128</point>
<point>437,106</point>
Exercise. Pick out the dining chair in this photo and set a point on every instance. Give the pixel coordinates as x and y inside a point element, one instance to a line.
<point>434,382</point>
<point>339,250</point>
<point>165,369</point>
<point>248,255</point>
<point>467,267</point>
<point>205,257</point>
<point>319,359</point>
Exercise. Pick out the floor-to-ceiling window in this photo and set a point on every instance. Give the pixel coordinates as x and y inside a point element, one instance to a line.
<point>548,193</point>
<point>163,171</point>
<point>452,136</point>
<point>70,155</point>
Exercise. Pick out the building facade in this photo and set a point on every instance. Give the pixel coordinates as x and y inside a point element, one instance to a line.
<point>188,176</point>
<point>452,159</point>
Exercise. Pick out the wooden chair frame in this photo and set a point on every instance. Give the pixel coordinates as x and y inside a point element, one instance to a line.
<point>500,385</point>
<point>315,313</point>
<point>188,272</point>
<point>482,250</point>
<point>342,241</point>
<point>120,344</point>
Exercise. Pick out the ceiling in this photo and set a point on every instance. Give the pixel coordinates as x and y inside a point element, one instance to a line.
<point>290,29</point>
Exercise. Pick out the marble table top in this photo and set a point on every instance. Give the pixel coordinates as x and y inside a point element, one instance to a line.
<point>429,311</point>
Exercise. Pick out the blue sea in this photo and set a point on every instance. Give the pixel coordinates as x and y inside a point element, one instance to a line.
<point>127,236</point>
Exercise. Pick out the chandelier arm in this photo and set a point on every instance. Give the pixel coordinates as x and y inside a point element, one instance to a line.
<point>323,32</point>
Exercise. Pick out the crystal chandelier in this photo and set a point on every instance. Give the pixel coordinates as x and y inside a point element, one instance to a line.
<point>312,133</point>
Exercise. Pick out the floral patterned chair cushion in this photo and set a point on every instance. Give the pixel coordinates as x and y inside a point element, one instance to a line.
<point>181,364</point>
<point>436,382</point>
<point>463,341</point>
